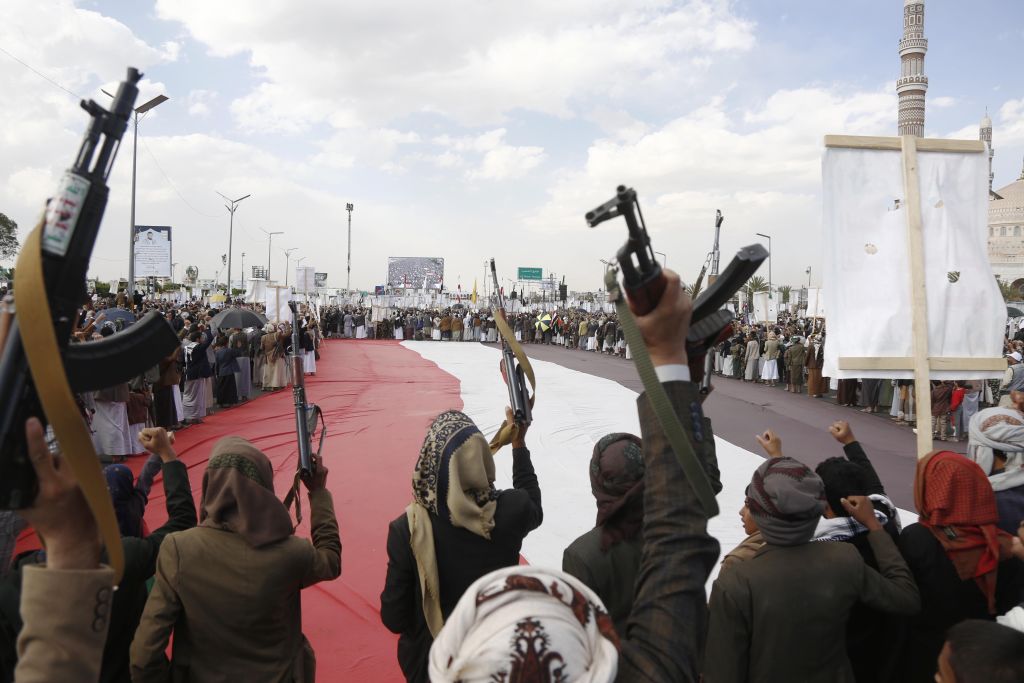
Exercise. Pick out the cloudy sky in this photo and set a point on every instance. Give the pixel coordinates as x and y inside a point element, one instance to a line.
<point>468,129</point>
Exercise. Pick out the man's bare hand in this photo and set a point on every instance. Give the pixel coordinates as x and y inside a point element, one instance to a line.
<point>841,432</point>
<point>771,443</point>
<point>159,441</point>
<point>859,507</point>
<point>318,480</point>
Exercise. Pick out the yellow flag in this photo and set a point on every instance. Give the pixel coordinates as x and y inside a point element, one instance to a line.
<point>473,298</point>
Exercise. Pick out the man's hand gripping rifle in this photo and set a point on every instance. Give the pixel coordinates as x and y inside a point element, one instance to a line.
<point>514,374</point>
<point>644,281</point>
<point>38,367</point>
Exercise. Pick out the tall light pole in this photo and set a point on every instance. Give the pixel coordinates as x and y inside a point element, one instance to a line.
<point>243,272</point>
<point>287,258</point>
<point>769,238</point>
<point>348,277</point>
<point>141,109</point>
<point>270,237</point>
<point>808,277</point>
<point>231,205</point>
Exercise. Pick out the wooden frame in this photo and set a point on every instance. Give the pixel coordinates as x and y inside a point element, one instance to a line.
<point>921,363</point>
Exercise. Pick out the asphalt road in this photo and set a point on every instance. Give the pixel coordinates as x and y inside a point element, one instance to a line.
<point>740,410</point>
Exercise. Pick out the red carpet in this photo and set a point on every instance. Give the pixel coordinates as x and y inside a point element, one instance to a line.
<point>378,399</point>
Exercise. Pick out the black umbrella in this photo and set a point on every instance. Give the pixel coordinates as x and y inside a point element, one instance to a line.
<point>237,317</point>
<point>115,314</point>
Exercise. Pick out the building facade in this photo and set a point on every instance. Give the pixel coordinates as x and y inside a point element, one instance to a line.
<point>1006,233</point>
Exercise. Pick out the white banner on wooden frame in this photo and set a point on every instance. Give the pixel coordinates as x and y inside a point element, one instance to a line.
<point>868,281</point>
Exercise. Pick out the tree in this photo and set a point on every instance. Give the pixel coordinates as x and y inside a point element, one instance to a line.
<point>754,285</point>
<point>8,237</point>
<point>695,289</point>
<point>1009,292</point>
<point>784,292</point>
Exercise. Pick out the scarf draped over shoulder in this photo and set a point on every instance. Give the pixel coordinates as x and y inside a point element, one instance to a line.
<point>453,482</point>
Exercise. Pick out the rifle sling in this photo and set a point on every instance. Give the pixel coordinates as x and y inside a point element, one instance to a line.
<point>507,431</point>
<point>40,342</point>
<point>659,400</point>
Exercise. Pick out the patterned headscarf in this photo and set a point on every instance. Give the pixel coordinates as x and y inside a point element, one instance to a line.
<point>786,498</point>
<point>526,624</point>
<point>238,494</point>
<point>617,482</point>
<point>128,507</point>
<point>956,503</point>
<point>454,481</point>
<point>998,429</point>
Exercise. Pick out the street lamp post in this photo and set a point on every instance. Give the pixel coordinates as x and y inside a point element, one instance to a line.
<point>231,205</point>
<point>243,274</point>
<point>348,277</point>
<point>141,109</point>
<point>808,277</point>
<point>270,238</point>
<point>298,263</point>
<point>287,259</point>
<point>769,238</point>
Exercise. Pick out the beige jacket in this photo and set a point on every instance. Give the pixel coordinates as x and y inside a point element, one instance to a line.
<point>66,615</point>
<point>234,609</point>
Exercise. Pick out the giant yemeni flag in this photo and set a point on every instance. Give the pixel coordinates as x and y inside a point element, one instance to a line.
<point>378,398</point>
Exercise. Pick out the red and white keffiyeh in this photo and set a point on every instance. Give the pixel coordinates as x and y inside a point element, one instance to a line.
<point>522,624</point>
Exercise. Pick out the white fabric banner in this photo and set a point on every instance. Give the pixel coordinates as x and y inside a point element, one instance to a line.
<point>867,264</point>
<point>816,303</point>
<point>277,310</point>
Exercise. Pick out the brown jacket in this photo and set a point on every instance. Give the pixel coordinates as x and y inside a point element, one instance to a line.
<point>796,599</point>
<point>66,620</point>
<point>170,373</point>
<point>234,609</point>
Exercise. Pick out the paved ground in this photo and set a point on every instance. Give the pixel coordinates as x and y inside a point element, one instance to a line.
<point>739,410</point>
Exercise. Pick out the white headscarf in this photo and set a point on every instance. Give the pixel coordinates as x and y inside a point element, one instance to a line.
<point>521,618</point>
<point>1000,429</point>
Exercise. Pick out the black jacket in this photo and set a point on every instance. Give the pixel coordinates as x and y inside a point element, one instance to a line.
<point>946,599</point>
<point>197,365</point>
<point>462,558</point>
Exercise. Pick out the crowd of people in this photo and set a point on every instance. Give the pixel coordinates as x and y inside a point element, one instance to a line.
<point>791,352</point>
<point>827,586</point>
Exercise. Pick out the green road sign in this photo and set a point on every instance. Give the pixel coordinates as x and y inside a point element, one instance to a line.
<point>531,274</point>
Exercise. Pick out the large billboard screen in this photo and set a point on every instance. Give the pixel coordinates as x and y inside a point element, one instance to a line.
<point>415,272</point>
<point>152,251</point>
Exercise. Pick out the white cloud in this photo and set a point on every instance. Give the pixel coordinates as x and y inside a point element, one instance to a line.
<point>505,162</point>
<point>943,102</point>
<point>198,102</point>
<point>327,61</point>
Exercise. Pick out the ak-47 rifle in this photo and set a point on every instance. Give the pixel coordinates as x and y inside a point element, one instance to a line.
<point>306,414</point>
<point>645,282</point>
<point>512,372</point>
<point>68,233</point>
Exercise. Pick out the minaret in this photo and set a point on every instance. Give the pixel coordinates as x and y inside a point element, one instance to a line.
<point>985,135</point>
<point>912,83</point>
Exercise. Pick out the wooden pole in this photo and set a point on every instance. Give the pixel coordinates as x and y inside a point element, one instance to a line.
<point>918,295</point>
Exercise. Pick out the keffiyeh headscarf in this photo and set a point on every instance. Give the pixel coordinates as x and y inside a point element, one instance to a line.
<point>786,498</point>
<point>526,624</point>
<point>617,482</point>
<point>998,429</point>
<point>238,494</point>
<point>956,503</point>
<point>454,481</point>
